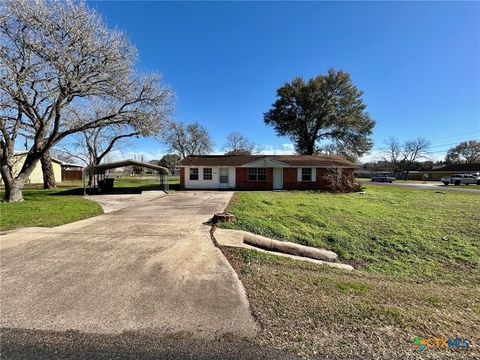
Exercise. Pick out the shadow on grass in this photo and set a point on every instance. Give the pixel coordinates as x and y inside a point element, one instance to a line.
<point>116,190</point>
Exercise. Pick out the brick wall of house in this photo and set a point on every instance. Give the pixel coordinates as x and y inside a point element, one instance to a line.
<point>290,180</point>
<point>182,178</point>
<point>242,183</point>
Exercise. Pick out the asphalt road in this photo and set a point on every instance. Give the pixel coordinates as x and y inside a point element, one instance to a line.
<point>19,344</point>
<point>426,186</point>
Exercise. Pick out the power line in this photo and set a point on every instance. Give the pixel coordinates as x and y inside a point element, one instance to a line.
<point>455,136</point>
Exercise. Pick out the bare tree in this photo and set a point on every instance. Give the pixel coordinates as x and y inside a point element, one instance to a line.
<point>63,71</point>
<point>91,146</point>
<point>49,181</point>
<point>392,155</point>
<point>412,151</point>
<point>63,156</point>
<point>337,149</point>
<point>187,139</point>
<point>238,144</point>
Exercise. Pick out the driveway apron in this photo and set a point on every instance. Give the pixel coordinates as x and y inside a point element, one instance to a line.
<point>147,268</point>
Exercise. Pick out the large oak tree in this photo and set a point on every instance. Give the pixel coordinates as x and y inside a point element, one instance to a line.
<point>63,71</point>
<point>466,152</point>
<point>323,110</point>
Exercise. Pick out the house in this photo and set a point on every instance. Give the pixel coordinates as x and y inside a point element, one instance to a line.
<point>448,170</point>
<point>70,172</point>
<point>62,171</point>
<point>263,172</point>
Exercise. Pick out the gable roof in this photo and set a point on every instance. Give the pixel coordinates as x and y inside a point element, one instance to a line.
<point>457,168</point>
<point>290,160</point>
<point>54,159</point>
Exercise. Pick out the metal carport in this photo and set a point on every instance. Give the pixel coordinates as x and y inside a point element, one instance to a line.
<point>98,172</point>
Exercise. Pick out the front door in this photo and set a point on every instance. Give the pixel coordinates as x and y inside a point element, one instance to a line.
<point>224,177</point>
<point>277,178</point>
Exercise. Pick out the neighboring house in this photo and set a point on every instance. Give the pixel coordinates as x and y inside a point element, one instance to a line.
<point>70,172</point>
<point>263,172</point>
<point>62,171</point>
<point>448,170</point>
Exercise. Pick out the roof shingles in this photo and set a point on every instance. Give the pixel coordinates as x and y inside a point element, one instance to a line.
<point>292,160</point>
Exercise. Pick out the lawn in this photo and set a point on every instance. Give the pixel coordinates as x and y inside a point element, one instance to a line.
<point>324,313</point>
<point>146,181</point>
<point>476,187</point>
<point>46,208</point>
<point>404,233</point>
<point>417,259</point>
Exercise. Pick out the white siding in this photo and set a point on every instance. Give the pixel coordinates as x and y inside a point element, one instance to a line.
<point>231,177</point>
<point>265,163</point>
<point>208,184</point>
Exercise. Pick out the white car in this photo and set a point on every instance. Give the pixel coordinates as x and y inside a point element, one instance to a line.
<point>465,179</point>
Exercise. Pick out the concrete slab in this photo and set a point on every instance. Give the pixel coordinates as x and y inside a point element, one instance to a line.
<point>114,202</point>
<point>146,268</point>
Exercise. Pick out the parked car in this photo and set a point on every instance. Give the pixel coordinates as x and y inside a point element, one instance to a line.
<point>383,178</point>
<point>458,179</point>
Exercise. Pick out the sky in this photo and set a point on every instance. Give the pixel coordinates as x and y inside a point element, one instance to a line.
<point>418,63</point>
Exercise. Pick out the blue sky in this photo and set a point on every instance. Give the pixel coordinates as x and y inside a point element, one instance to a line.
<point>417,62</point>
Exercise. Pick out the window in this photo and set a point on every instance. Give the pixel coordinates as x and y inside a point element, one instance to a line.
<point>257,174</point>
<point>207,174</point>
<point>193,174</point>
<point>306,174</point>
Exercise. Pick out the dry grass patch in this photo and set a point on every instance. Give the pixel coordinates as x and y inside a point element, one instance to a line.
<point>317,311</point>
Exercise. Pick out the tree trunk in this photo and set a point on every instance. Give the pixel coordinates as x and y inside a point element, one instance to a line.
<point>13,192</point>
<point>310,149</point>
<point>47,170</point>
<point>13,186</point>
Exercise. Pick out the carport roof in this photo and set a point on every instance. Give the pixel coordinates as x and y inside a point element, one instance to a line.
<point>98,169</point>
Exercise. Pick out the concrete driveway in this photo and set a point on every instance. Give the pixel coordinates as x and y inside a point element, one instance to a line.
<point>150,268</point>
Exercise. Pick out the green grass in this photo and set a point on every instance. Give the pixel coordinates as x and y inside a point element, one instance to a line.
<point>476,187</point>
<point>146,181</point>
<point>46,208</point>
<point>404,233</point>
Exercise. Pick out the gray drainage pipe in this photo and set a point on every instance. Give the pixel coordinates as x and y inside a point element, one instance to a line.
<point>288,247</point>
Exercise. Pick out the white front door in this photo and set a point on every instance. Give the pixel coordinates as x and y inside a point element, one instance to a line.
<point>224,177</point>
<point>277,178</point>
